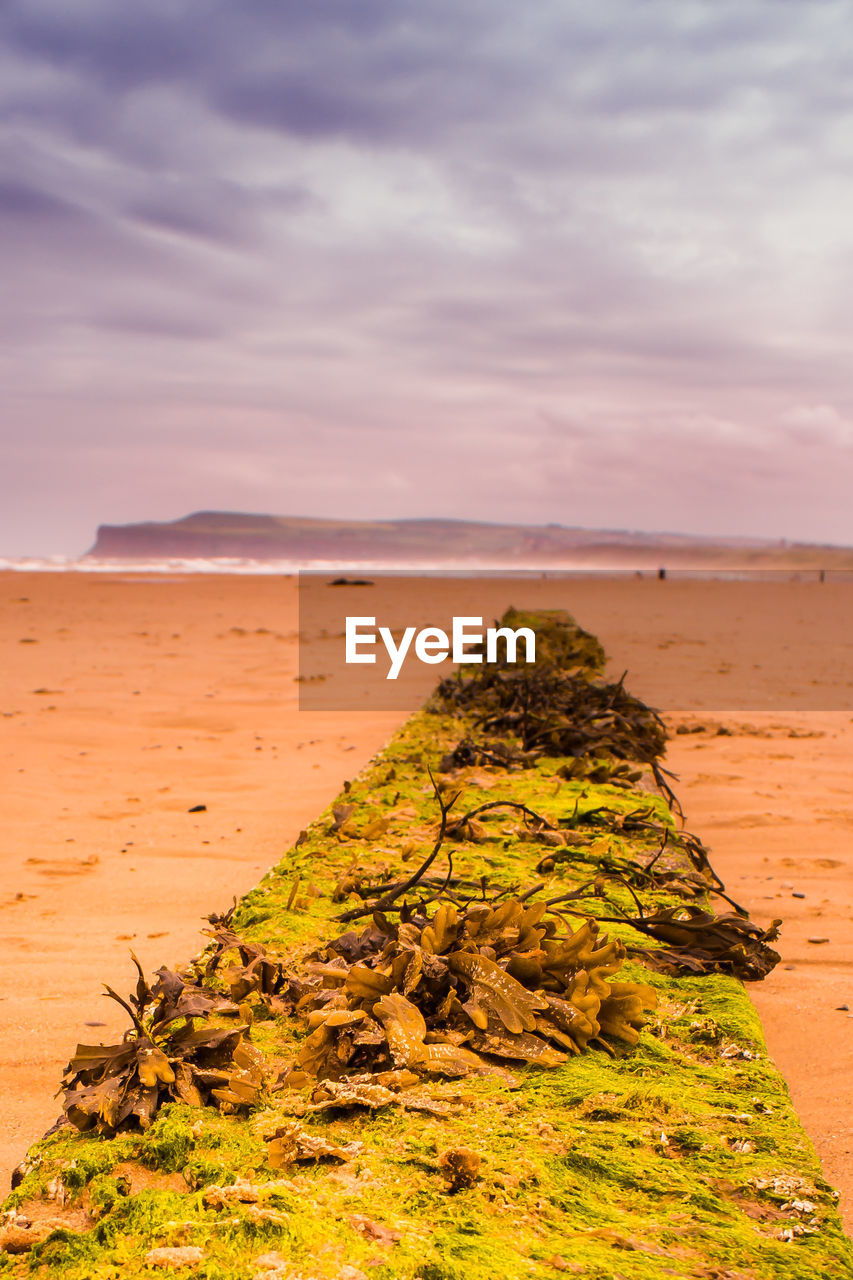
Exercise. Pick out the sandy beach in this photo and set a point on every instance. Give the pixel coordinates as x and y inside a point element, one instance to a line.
<point>128,702</point>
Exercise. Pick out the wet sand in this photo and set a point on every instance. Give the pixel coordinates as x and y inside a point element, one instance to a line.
<point>126,703</point>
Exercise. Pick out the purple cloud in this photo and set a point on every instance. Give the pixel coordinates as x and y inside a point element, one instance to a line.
<point>288,256</point>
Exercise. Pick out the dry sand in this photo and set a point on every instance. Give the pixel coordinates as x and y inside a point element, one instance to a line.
<point>126,702</point>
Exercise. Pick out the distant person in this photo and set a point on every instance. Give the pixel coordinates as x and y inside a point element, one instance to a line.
<point>661,574</point>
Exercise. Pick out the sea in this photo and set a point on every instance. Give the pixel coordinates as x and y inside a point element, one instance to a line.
<point>168,567</point>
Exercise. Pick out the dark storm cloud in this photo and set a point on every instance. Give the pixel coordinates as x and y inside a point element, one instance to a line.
<point>343,227</point>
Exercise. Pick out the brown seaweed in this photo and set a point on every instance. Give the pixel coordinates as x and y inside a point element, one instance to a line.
<point>550,711</point>
<point>448,992</point>
<point>701,942</point>
<point>164,1056</point>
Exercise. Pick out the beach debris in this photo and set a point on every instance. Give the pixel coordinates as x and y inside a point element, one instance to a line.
<point>373,1231</point>
<point>272,1266</point>
<point>784,1186</point>
<point>561,707</point>
<point>243,1191</point>
<point>698,941</point>
<point>460,1167</point>
<point>290,1144</point>
<point>341,814</point>
<point>495,753</point>
<point>701,942</point>
<point>22,1230</point>
<point>373,1092</point>
<point>653,874</point>
<point>175,1256</point>
<point>176,1049</point>
<point>551,711</point>
<point>447,992</point>
<point>644,820</point>
<point>738,1051</point>
<point>259,973</point>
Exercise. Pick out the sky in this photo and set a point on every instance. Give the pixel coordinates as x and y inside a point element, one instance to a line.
<point>383,258</point>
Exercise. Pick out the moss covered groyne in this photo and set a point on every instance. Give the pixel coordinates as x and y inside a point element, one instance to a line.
<point>482,1020</point>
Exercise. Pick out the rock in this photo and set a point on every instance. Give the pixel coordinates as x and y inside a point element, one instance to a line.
<point>187,1255</point>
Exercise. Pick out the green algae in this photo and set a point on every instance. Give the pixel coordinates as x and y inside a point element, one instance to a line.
<point>680,1157</point>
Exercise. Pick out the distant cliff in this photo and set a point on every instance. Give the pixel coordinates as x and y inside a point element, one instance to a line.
<point>219,534</point>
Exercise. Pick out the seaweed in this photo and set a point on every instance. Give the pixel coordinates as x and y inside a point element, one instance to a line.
<point>434,993</point>
<point>558,706</point>
<point>175,1049</point>
<point>701,942</point>
<point>554,712</point>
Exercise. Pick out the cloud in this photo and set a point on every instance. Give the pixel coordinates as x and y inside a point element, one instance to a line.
<point>414,231</point>
<point>19,201</point>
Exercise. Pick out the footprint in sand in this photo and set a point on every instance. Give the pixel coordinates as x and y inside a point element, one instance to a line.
<point>826,864</point>
<point>64,866</point>
<point>753,820</point>
<point>18,897</point>
<point>835,815</point>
